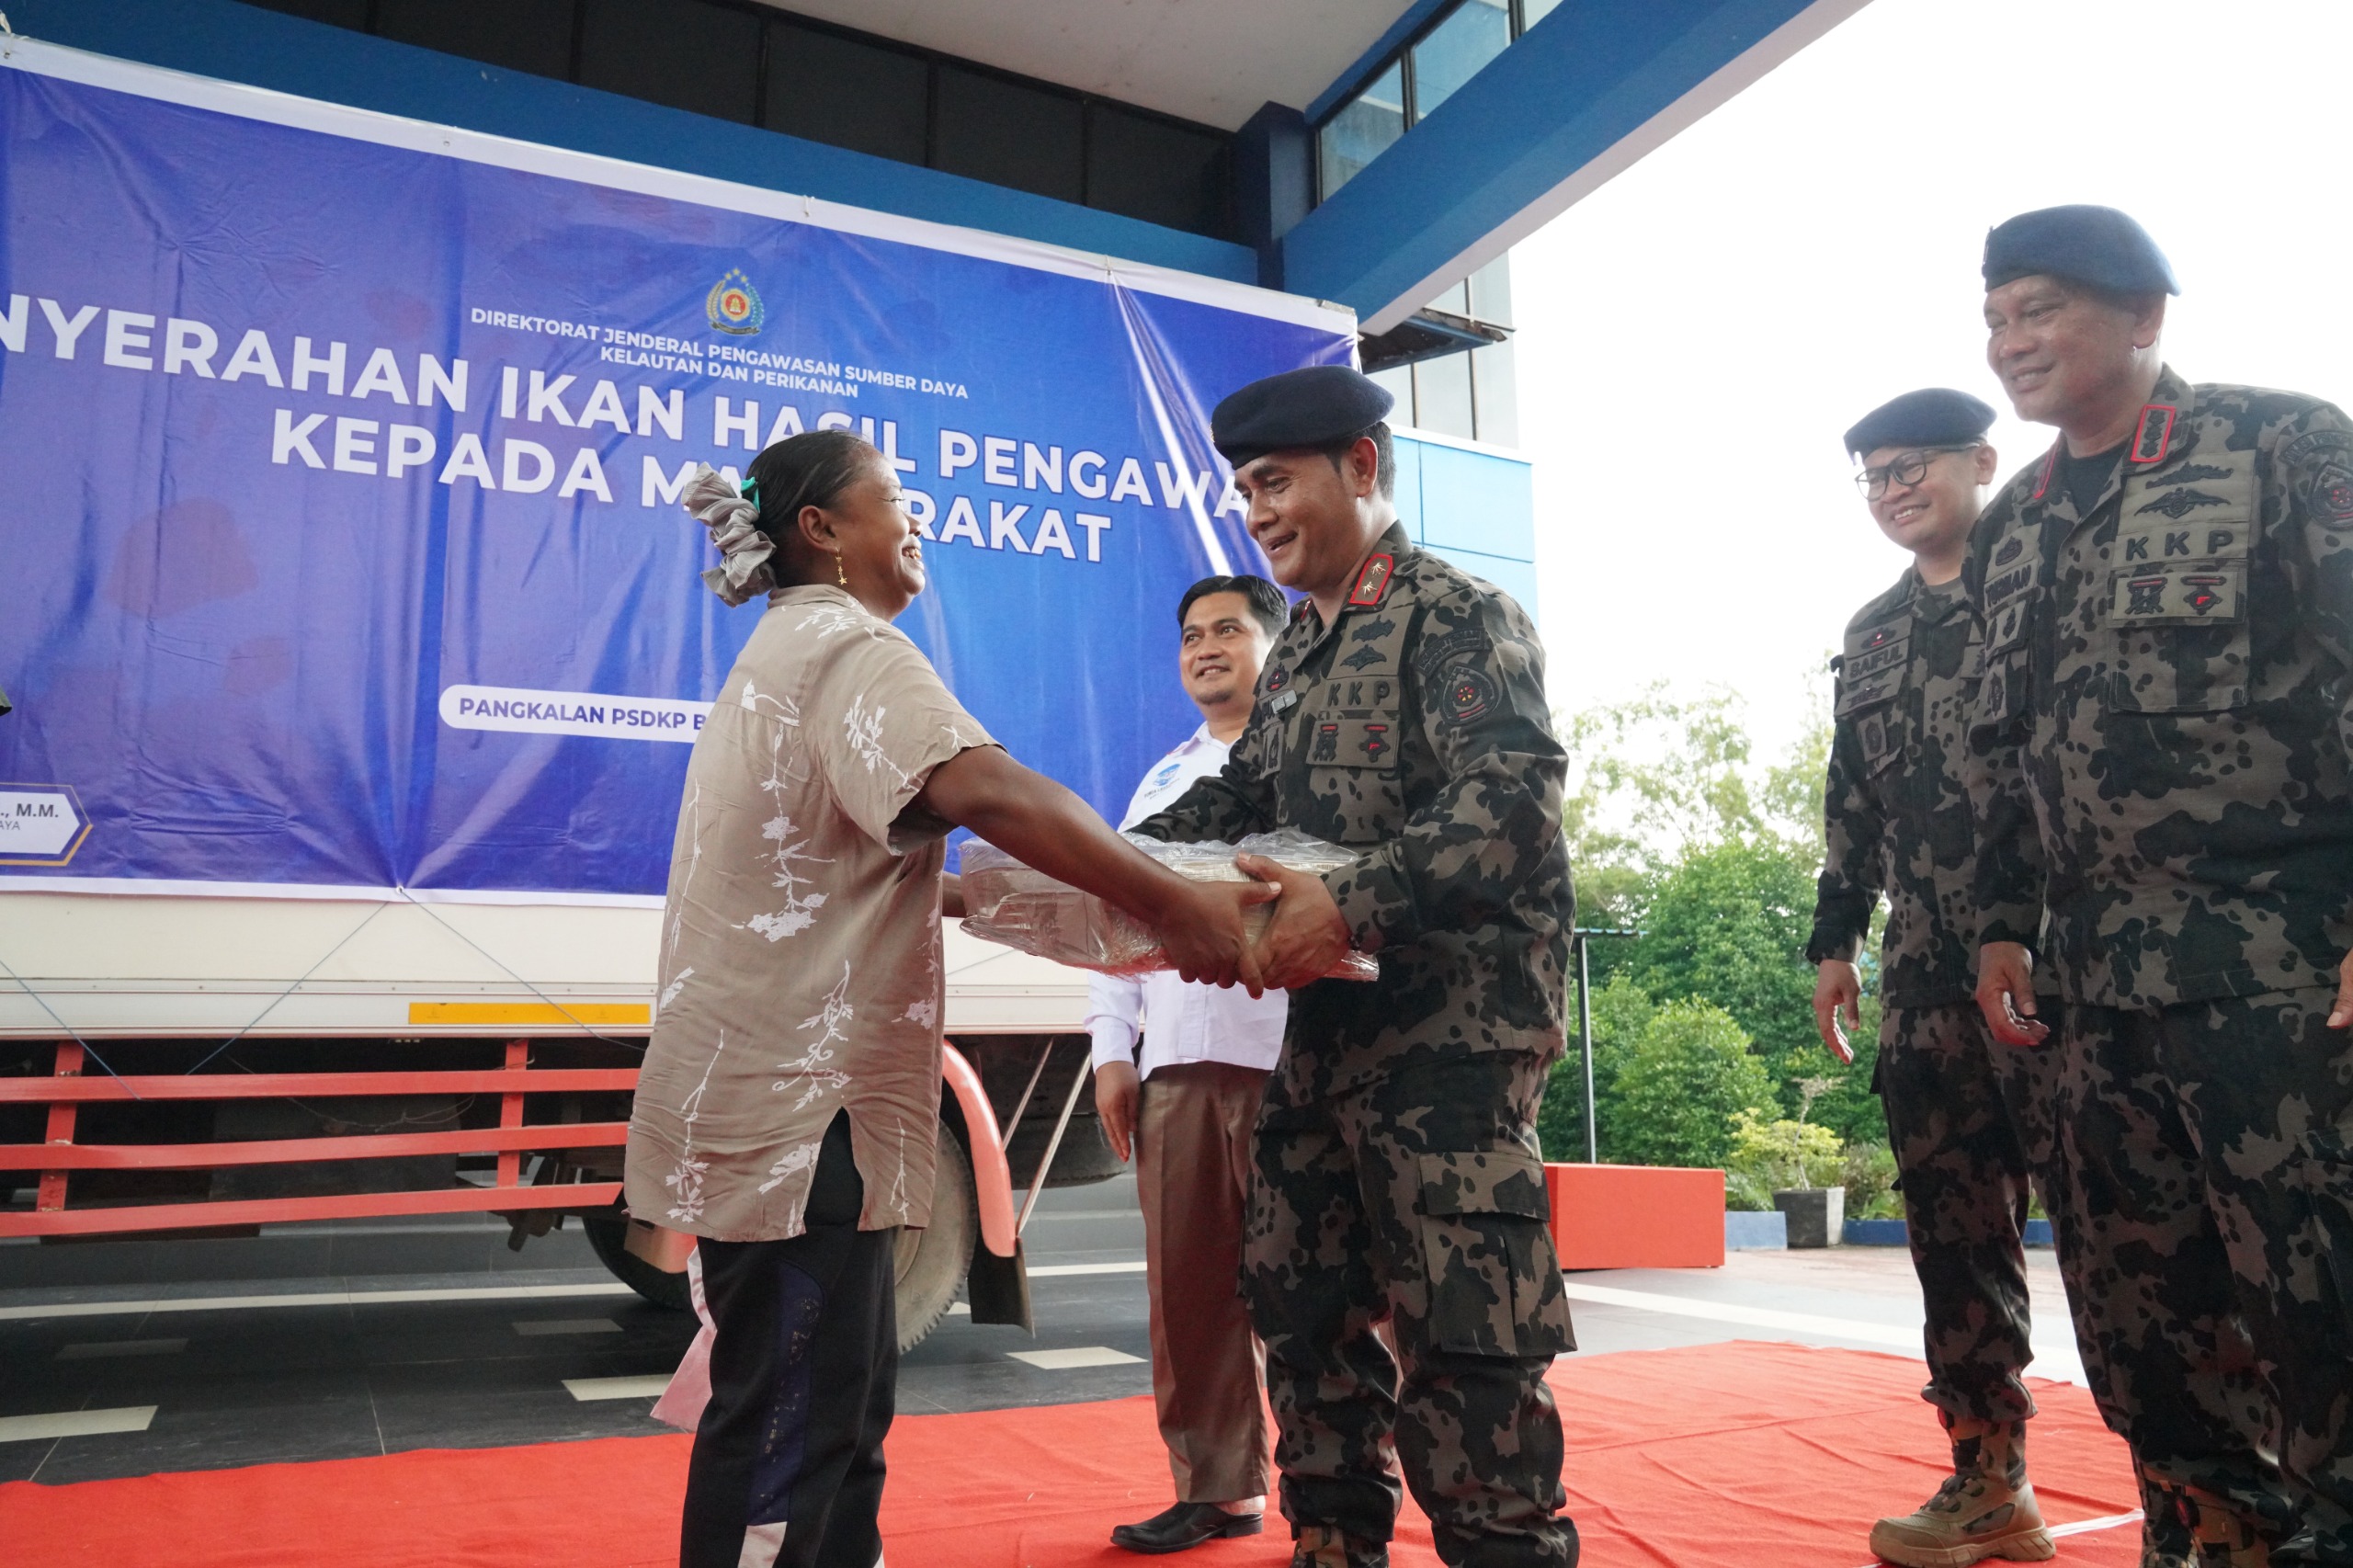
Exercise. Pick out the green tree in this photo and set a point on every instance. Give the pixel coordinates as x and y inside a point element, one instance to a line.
<point>1675,831</point>
<point>1689,1074</point>
<point>1647,779</point>
<point>1729,925</point>
<point>1621,1010</point>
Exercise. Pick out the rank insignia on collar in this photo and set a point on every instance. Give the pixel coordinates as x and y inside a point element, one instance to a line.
<point>2154,434</point>
<point>1372,581</point>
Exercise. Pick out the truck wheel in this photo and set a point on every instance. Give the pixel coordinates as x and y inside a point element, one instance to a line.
<point>609,1234</point>
<point>932,1261</point>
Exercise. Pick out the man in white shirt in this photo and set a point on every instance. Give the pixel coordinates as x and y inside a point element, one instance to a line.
<point>1188,1107</point>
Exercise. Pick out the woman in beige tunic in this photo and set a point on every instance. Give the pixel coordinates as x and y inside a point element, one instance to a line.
<point>789,1108</point>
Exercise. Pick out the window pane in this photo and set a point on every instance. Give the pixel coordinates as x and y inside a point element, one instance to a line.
<point>679,52</point>
<point>1497,395</point>
<point>1158,172</point>
<point>518,35</point>
<point>1454,300</point>
<point>1008,134</point>
<point>847,94</point>
<point>1442,396</point>
<point>1355,136</point>
<point>1534,11</point>
<point>1491,291</point>
<point>1475,33</point>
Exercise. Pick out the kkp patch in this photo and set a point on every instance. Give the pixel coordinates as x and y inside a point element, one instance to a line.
<point>1467,693</point>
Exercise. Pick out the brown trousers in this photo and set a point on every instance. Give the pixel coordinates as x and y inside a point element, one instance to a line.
<point>1193,1164</point>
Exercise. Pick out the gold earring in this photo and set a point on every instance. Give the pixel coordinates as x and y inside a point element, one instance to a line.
<point>839,575</point>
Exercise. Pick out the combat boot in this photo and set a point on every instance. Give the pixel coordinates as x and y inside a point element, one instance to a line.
<point>1322,1546</point>
<point>1986,1508</point>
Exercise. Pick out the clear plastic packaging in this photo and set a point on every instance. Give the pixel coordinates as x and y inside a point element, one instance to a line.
<point>1007,901</point>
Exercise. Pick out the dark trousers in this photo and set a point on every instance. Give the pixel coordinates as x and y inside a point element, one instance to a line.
<point>786,1470</point>
<point>1969,1121</point>
<point>1415,1197</point>
<point>2206,1237</point>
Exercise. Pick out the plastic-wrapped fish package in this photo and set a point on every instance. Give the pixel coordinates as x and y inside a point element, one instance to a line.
<point>1007,901</point>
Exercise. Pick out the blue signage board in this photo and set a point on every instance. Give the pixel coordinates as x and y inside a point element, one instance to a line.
<point>339,465</point>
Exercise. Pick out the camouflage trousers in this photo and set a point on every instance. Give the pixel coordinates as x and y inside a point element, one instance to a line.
<point>1970,1122</point>
<point>2205,1209</point>
<point>1417,1199</point>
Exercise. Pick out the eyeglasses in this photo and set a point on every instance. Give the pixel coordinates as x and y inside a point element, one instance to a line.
<point>1907,469</point>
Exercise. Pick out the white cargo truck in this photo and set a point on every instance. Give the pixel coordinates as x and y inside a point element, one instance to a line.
<point>207,1065</point>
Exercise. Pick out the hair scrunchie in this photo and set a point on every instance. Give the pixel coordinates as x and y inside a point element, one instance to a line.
<point>743,573</point>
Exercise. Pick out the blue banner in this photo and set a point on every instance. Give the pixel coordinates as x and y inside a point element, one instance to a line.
<point>339,459</point>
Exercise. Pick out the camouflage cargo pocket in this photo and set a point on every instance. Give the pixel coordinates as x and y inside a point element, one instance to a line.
<point>1494,1280</point>
<point>1353,773</point>
<point>2176,596</point>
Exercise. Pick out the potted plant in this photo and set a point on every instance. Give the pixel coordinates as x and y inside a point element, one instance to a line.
<point>1791,1154</point>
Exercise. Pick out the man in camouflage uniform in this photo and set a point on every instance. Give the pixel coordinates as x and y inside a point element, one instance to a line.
<point>1969,1120</point>
<point>2168,601</point>
<point>1402,714</point>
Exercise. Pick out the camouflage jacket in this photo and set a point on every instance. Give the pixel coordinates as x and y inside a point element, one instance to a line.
<point>2159,743</point>
<point>1895,805</point>
<point>1415,730</point>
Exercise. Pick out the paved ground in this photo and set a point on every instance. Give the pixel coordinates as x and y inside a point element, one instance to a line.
<point>318,1342</point>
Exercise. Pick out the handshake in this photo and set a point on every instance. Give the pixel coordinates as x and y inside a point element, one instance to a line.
<point>1255,914</point>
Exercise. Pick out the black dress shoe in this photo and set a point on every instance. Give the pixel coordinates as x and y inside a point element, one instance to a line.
<point>1184,1527</point>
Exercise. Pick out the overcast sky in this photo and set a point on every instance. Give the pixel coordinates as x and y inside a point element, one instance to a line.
<point>1695,337</point>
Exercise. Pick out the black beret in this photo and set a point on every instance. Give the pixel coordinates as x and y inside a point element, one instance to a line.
<point>1312,407</point>
<point>1933,417</point>
<point>2097,245</point>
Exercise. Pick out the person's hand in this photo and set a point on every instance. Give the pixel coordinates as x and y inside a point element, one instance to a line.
<point>1308,934</point>
<point>2342,1014</point>
<point>1838,991</point>
<point>1118,1092</point>
<point>2006,994</point>
<point>1200,929</point>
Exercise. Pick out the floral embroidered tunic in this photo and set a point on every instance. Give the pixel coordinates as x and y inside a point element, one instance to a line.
<point>800,967</point>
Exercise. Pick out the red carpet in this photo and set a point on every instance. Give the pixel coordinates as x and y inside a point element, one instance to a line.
<point>1743,1455</point>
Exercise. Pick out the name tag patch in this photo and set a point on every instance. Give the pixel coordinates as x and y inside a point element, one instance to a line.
<point>1348,740</point>
<point>2191,593</point>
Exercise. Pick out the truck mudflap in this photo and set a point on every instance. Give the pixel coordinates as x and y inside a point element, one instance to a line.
<point>996,1285</point>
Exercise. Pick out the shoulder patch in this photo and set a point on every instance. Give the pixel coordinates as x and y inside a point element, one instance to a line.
<point>2321,464</point>
<point>1469,693</point>
<point>1462,640</point>
<point>1372,580</point>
